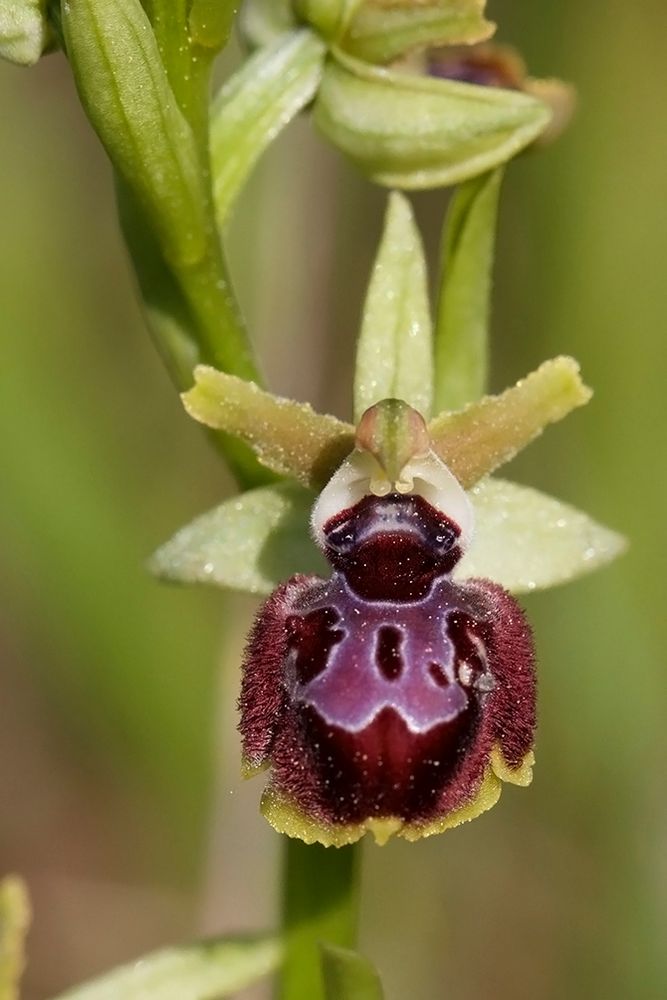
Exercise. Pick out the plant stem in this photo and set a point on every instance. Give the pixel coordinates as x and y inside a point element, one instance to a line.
<point>320,903</point>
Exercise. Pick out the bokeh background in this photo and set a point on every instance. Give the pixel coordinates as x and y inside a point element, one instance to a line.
<point>120,800</point>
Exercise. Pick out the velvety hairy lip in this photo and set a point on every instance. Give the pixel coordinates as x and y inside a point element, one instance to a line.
<point>382,692</point>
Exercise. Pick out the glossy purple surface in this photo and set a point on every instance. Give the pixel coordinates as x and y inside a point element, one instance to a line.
<point>381,654</point>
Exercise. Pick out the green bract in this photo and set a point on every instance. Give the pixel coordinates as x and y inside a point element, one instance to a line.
<point>125,91</point>
<point>257,103</point>
<point>462,315</point>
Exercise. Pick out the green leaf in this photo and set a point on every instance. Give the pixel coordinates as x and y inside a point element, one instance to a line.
<point>126,94</point>
<point>527,541</point>
<point>348,975</point>
<point>205,971</point>
<point>251,542</point>
<point>289,438</point>
<point>24,30</point>
<point>413,132</point>
<point>379,32</point>
<point>394,354</point>
<point>461,337</point>
<point>14,922</point>
<point>484,435</point>
<point>255,105</point>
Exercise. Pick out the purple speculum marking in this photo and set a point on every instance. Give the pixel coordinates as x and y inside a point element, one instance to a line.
<point>351,687</point>
<point>384,620</point>
<point>382,690</point>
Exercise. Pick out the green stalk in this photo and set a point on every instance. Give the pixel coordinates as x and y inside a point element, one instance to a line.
<point>320,904</point>
<point>222,338</point>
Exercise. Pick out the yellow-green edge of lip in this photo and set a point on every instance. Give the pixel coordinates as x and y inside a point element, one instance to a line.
<point>286,817</point>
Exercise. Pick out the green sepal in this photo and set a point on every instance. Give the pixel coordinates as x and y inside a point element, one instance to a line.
<point>289,438</point>
<point>210,22</point>
<point>528,541</point>
<point>348,975</point>
<point>208,970</point>
<point>462,316</point>
<point>250,542</point>
<point>394,353</point>
<point>412,131</point>
<point>124,89</point>
<point>524,540</point>
<point>262,22</point>
<point>14,922</point>
<point>255,104</point>
<point>484,435</point>
<point>24,31</point>
<point>329,17</point>
<point>379,32</point>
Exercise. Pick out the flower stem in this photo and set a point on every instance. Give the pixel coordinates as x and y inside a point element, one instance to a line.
<point>320,903</point>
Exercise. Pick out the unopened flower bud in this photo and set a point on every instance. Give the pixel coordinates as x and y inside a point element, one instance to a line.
<point>490,65</point>
<point>24,30</point>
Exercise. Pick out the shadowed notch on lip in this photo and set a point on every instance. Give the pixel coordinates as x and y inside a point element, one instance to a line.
<point>484,65</point>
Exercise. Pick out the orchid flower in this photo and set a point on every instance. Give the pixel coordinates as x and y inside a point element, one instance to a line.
<point>389,680</point>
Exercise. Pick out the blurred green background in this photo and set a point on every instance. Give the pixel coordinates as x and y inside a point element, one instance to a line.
<point>120,799</point>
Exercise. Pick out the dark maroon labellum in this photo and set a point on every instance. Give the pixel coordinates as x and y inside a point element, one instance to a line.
<point>382,692</point>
